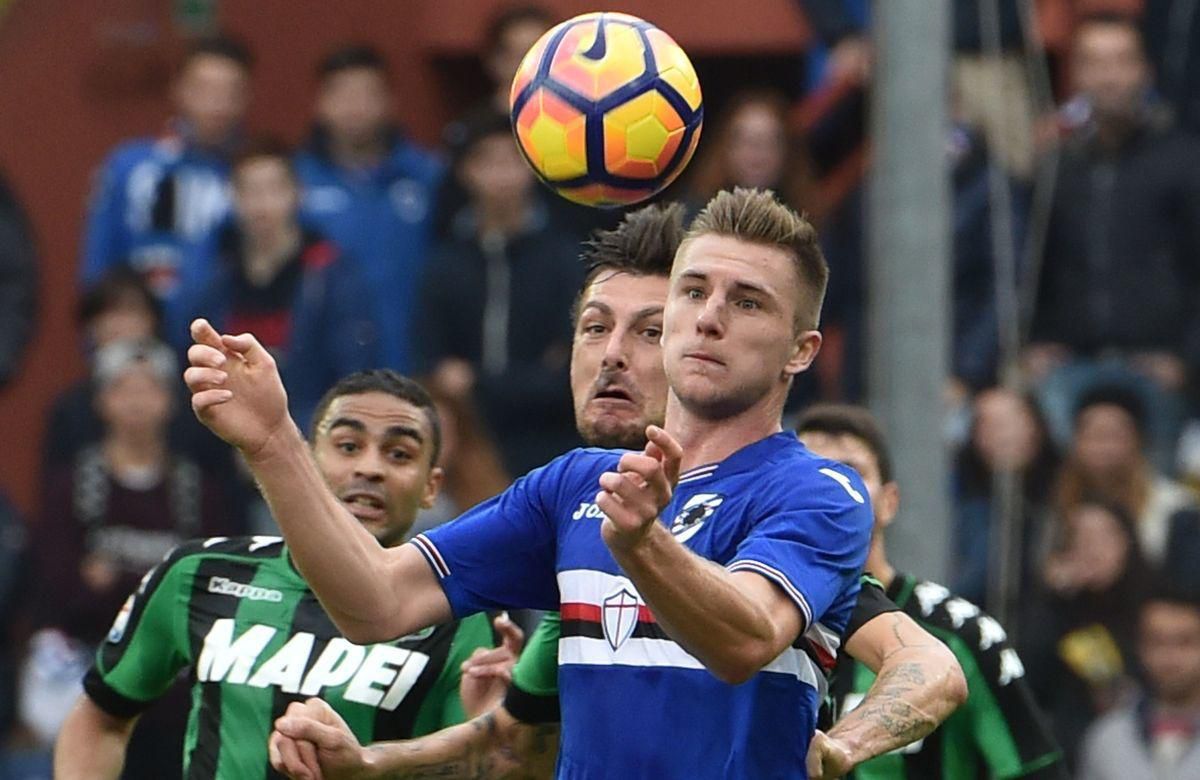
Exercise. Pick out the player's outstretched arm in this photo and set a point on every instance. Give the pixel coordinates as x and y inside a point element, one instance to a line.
<point>373,594</point>
<point>91,744</point>
<point>918,684</point>
<point>734,622</point>
<point>493,745</point>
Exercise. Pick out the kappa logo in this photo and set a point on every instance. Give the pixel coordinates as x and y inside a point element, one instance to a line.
<point>619,615</point>
<point>695,512</point>
<point>241,590</point>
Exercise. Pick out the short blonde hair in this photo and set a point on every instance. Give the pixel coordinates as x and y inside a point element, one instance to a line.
<point>757,217</point>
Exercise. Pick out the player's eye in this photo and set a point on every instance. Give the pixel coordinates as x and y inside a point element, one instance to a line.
<point>749,304</point>
<point>594,329</point>
<point>347,446</point>
<point>652,334</point>
<point>401,455</point>
<point>694,293</point>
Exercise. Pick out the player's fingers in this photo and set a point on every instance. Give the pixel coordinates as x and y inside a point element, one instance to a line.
<point>248,347</point>
<point>308,755</point>
<point>273,751</point>
<point>482,657</point>
<point>615,510</point>
<point>511,636</point>
<point>501,670</point>
<point>203,378</point>
<point>638,463</point>
<point>633,496</point>
<point>325,737</point>
<point>291,763</point>
<point>322,712</point>
<point>672,451</point>
<point>203,332</point>
<point>207,399</point>
<point>205,356</point>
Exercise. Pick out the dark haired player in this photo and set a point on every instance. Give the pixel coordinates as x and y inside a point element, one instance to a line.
<point>237,611</point>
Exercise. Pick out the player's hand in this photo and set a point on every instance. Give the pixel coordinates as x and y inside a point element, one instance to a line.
<point>633,496</point>
<point>312,742</point>
<point>236,389</point>
<point>487,673</point>
<point>828,758</point>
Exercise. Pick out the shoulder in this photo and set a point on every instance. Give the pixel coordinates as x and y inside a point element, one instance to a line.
<point>797,478</point>
<point>413,161</point>
<point>249,547</point>
<point>980,636</point>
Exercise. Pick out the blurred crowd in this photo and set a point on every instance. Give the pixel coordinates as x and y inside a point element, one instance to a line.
<point>362,249</point>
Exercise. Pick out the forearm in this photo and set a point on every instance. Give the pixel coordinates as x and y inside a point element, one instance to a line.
<point>701,606</point>
<point>494,745</point>
<point>91,743</point>
<point>913,693</point>
<point>344,564</point>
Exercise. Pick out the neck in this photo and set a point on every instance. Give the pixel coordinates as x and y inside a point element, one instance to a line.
<point>505,218</point>
<point>707,440</point>
<point>134,450</point>
<point>349,154</point>
<point>266,255</point>
<point>878,565</point>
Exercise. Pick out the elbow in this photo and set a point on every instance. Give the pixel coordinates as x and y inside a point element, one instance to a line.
<point>364,632</point>
<point>740,663</point>
<point>954,682</point>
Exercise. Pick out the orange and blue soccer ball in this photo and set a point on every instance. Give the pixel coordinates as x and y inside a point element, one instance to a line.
<point>606,108</point>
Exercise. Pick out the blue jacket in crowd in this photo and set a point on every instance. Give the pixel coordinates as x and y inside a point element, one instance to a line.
<point>325,334</point>
<point>155,200</point>
<point>381,218</point>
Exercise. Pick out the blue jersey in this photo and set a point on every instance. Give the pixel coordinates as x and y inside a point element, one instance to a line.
<point>382,219</point>
<point>635,703</point>
<point>155,201</point>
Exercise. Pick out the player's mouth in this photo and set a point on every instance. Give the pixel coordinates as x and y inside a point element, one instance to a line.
<point>613,395</point>
<point>365,506</point>
<point>704,357</point>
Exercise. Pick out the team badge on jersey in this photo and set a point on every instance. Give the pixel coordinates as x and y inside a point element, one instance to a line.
<point>695,512</point>
<point>619,612</point>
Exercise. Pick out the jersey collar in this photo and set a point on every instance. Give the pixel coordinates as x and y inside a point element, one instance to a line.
<point>748,457</point>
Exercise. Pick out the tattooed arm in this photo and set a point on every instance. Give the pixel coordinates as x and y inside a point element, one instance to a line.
<point>919,683</point>
<point>311,742</point>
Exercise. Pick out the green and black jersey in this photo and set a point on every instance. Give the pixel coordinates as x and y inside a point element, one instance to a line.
<point>533,695</point>
<point>998,733</point>
<point>237,613</point>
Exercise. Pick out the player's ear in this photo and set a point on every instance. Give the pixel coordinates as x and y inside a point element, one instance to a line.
<point>888,504</point>
<point>433,486</point>
<point>805,347</point>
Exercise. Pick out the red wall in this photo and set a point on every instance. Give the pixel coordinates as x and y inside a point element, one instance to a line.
<point>77,77</point>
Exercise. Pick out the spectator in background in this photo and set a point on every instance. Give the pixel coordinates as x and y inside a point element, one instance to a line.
<point>1172,32</point>
<point>751,146</point>
<point>995,93</point>
<point>1008,436</point>
<point>510,34</point>
<point>155,198</point>
<point>493,321</point>
<point>18,283</point>
<point>1078,637</point>
<point>1120,275</point>
<point>107,518</point>
<point>370,190</point>
<point>266,274</point>
<point>120,307</point>
<point>1158,735</point>
<point>1107,459</point>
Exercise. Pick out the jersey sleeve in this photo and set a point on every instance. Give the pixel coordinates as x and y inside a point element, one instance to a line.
<point>811,540</point>
<point>533,695</point>
<point>501,554</point>
<point>872,602</point>
<point>147,645</point>
<point>1009,730</point>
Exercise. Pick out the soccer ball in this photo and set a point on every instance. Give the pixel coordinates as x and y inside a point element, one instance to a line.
<point>606,108</point>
